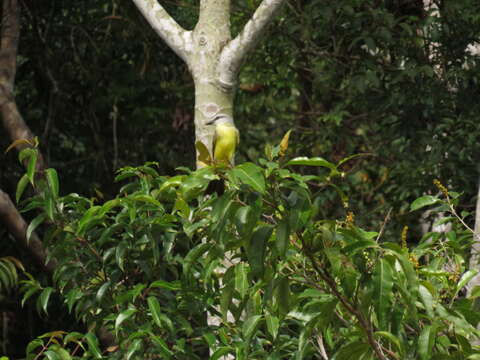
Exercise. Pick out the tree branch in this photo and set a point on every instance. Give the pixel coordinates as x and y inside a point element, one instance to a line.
<point>176,37</point>
<point>17,226</point>
<point>235,51</point>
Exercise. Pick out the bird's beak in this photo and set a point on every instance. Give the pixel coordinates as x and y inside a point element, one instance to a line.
<point>210,122</point>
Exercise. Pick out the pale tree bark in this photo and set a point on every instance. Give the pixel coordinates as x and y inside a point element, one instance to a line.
<point>212,56</point>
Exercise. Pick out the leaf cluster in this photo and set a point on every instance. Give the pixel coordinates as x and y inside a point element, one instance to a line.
<point>174,271</point>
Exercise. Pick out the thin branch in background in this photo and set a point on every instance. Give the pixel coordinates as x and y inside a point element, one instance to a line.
<point>321,347</point>
<point>114,117</point>
<point>385,221</point>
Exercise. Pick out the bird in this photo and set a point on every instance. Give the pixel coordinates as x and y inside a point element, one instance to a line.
<point>225,139</point>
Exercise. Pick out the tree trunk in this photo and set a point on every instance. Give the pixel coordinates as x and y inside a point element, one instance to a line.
<point>212,56</point>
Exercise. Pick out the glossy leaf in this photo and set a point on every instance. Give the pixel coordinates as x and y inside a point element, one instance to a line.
<point>423,201</point>
<point>22,184</point>
<point>52,181</point>
<point>161,346</point>
<point>256,249</point>
<point>241,279</point>
<point>93,347</point>
<point>33,225</point>
<point>315,161</point>
<point>383,283</point>
<point>250,326</point>
<point>124,315</point>
<point>273,324</point>
<point>44,298</point>
<point>284,144</point>
<point>154,307</point>
<point>282,237</point>
<point>31,167</point>
<point>252,175</point>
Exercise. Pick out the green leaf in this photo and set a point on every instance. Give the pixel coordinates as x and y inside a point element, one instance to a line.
<point>173,285</point>
<point>124,315</point>
<point>466,277</point>
<point>197,182</point>
<point>32,345</point>
<point>93,348</point>
<point>227,292</point>
<point>282,233</point>
<point>32,163</point>
<point>256,249</point>
<point>22,184</point>
<point>241,279</point>
<point>28,294</point>
<point>193,255</point>
<point>154,307</point>
<point>62,353</point>
<point>427,300</point>
<point>250,326</point>
<point>203,153</point>
<point>245,220</point>
<point>425,342</point>
<point>34,224</point>
<point>134,347</point>
<point>348,158</point>
<point>273,323</point>
<point>50,207</point>
<point>352,351</point>
<point>162,346</point>
<point>382,291</point>
<point>221,352</point>
<point>52,355</point>
<point>101,291</point>
<point>424,201</point>
<point>52,180</point>
<point>391,338</point>
<point>283,296</point>
<point>120,254</point>
<point>250,174</point>
<point>315,161</point>
<point>44,297</point>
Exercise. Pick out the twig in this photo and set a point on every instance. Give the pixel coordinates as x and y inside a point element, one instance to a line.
<point>321,347</point>
<point>387,218</point>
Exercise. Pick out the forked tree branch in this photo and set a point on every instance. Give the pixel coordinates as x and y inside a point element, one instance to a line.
<point>235,51</point>
<point>176,37</point>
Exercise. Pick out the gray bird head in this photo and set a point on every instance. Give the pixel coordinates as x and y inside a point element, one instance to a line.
<point>221,119</point>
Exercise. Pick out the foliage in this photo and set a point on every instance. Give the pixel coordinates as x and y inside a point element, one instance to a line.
<point>9,267</point>
<point>281,281</point>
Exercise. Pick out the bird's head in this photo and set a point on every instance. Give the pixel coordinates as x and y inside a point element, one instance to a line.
<point>221,119</point>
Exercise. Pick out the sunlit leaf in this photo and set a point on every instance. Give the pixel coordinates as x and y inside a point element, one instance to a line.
<point>284,144</point>
<point>250,174</point>
<point>423,201</point>
<point>383,284</point>
<point>52,180</point>
<point>154,307</point>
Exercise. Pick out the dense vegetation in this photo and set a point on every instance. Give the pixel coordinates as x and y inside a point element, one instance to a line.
<point>328,258</point>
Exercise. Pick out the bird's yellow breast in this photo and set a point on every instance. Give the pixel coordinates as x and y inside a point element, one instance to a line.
<point>226,140</point>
